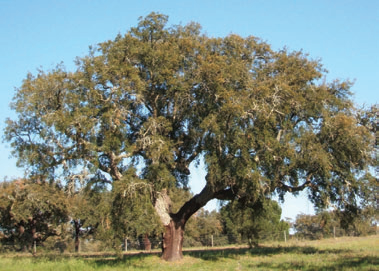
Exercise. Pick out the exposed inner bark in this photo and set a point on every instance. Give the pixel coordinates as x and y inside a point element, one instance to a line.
<point>175,223</point>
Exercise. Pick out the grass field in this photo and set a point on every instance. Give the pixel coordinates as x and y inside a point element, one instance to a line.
<point>346,253</point>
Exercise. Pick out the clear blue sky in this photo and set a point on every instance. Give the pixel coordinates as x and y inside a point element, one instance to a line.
<point>344,34</point>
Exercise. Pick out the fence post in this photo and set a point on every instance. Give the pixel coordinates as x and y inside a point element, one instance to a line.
<point>334,232</point>
<point>34,247</point>
<point>285,237</point>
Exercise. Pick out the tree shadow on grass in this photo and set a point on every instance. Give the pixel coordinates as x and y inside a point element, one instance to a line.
<point>214,255</point>
<point>110,259</point>
<point>344,258</point>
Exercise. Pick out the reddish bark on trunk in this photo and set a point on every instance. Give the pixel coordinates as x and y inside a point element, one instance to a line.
<point>146,242</point>
<point>172,242</point>
<point>174,224</point>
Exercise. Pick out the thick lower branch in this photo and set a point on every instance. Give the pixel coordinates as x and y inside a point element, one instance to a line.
<point>174,224</point>
<point>227,194</point>
<point>200,200</point>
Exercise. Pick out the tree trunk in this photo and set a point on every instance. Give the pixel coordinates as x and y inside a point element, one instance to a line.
<point>34,236</point>
<point>126,244</point>
<point>77,234</point>
<point>172,242</point>
<point>146,242</point>
<point>174,224</point>
<point>77,243</point>
<point>21,237</point>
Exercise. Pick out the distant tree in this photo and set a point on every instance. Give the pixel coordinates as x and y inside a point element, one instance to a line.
<point>335,223</point>
<point>255,221</point>
<point>202,227</point>
<point>209,222</point>
<point>160,98</point>
<point>358,222</point>
<point>90,213</point>
<point>313,226</point>
<point>31,212</point>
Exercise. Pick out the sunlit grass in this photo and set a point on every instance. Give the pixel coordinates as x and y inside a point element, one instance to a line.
<point>330,254</point>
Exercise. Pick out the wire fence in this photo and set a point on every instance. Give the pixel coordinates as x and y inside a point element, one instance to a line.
<point>154,243</point>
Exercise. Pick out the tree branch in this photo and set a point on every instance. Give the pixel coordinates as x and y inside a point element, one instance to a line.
<point>289,188</point>
<point>200,200</point>
<point>227,194</point>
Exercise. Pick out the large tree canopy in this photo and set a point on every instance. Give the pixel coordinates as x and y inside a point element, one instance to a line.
<point>141,108</point>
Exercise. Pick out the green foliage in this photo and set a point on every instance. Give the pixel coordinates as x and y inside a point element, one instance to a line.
<point>313,227</point>
<point>358,221</point>
<point>132,213</point>
<point>178,197</point>
<point>253,221</point>
<point>158,98</point>
<point>90,216</point>
<point>31,212</point>
<point>326,224</point>
<point>201,227</point>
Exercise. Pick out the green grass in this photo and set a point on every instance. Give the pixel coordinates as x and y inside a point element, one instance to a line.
<point>331,254</point>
